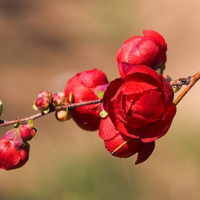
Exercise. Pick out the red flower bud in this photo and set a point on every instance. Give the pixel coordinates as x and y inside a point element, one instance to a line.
<point>149,50</point>
<point>42,103</point>
<point>62,115</point>
<point>84,88</point>
<point>59,99</point>
<point>27,132</point>
<point>14,152</point>
<point>43,94</point>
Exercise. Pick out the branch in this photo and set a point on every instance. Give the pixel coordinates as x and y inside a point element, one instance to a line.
<point>193,80</point>
<point>71,107</point>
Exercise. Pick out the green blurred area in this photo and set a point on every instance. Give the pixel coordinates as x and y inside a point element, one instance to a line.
<point>42,45</point>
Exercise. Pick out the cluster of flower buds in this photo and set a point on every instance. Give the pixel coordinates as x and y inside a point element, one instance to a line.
<point>137,108</point>
<point>46,101</point>
<point>42,102</point>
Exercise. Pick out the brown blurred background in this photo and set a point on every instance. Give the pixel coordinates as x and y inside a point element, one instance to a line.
<point>42,45</point>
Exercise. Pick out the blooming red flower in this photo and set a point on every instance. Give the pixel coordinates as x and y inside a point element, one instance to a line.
<point>84,87</point>
<point>149,50</point>
<point>140,104</point>
<point>113,139</point>
<point>14,152</point>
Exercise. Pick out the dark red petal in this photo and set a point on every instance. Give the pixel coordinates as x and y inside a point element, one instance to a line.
<point>129,149</point>
<point>9,157</point>
<point>127,47</point>
<point>144,73</point>
<point>146,52</point>
<point>149,106</point>
<point>135,87</point>
<point>157,36</point>
<point>145,152</point>
<point>111,90</point>
<point>89,119</point>
<point>168,97</point>
<point>158,128</point>
<point>107,130</point>
<point>124,68</point>
<point>92,78</point>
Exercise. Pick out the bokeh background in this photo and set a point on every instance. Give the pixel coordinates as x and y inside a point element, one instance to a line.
<point>42,45</point>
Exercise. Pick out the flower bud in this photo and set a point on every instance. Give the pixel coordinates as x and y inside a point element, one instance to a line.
<point>42,103</point>
<point>43,94</point>
<point>14,152</point>
<point>62,115</point>
<point>27,132</point>
<point>149,50</point>
<point>59,99</point>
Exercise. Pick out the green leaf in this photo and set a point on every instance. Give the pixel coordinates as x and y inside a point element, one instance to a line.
<point>100,94</point>
<point>17,125</point>
<point>103,114</point>
<point>30,121</point>
<point>34,106</point>
<point>1,107</point>
<point>71,98</point>
<point>46,111</point>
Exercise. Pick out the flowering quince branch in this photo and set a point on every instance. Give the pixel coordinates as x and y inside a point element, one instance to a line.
<point>130,112</point>
<point>70,106</point>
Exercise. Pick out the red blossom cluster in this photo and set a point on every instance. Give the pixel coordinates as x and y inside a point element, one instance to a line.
<point>136,108</point>
<point>139,105</point>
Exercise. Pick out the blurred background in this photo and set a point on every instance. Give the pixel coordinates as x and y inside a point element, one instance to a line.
<point>42,45</point>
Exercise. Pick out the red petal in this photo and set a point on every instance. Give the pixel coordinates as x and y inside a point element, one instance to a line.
<point>127,47</point>
<point>145,152</point>
<point>92,78</point>
<point>145,74</point>
<point>158,128</point>
<point>135,87</point>
<point>129,149</point>
<point>111,90</point>
<point>107,130</point>
<point>168,97</point>
<point>146,52</point>
<point>9,157</point>
<point>149,106</point>
<point>157,36</point>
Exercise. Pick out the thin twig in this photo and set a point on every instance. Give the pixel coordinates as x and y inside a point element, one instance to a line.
<point>71,106</point>
<point>193,80</point>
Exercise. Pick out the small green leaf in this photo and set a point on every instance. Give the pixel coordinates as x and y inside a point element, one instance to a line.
<point>175,88</point>
<point>35,129</point>
<point>100,94</point>
<point>17,125</point>
<point>71,98</point>
<point>34,106</point>
<point>103,114</point>
<point>30,121</point>
<point>1,107</point>
<point>46,111</point>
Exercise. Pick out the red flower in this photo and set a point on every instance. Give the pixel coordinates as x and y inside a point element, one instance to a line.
<point>84,87</point>
<point>149,50</point>
<point>113,139</point>
<point>14,152</point>
<point>140,104</point>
